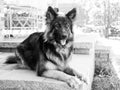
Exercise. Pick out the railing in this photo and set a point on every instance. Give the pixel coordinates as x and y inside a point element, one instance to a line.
<point>22,20</point>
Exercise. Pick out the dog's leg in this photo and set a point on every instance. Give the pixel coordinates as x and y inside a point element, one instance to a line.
<point>59,75</point>
<point>44,71</point>
<point>20,54</point>
<point>72,72</point>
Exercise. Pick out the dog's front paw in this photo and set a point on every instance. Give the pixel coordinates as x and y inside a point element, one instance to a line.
<point>74,82</point>
<point>82,78</point>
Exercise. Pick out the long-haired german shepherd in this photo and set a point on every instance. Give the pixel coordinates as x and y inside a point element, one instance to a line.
<point>48,52</point>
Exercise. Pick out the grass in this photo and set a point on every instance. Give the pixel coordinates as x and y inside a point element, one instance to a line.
<point>105,77</point>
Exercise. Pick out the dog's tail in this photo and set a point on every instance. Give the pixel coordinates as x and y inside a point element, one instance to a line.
<point>11,60</point>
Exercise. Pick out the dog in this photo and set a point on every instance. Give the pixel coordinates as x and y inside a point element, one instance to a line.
<point>49,52</point>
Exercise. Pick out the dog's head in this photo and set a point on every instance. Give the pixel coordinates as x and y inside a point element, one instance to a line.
<point>59,27</point>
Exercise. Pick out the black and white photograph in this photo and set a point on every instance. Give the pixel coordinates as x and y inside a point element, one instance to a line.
<point>59,44</point>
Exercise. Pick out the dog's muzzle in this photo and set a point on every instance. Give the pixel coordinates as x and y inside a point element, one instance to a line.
<point>63,39</point>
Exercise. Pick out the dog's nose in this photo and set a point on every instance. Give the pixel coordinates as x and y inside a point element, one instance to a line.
<point>64,36</point>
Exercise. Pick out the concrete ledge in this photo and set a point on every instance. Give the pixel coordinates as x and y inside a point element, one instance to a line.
<point>27,80</point>
<point>21,79</point>
<point>31,85</point>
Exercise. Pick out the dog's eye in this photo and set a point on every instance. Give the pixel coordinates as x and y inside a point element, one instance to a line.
<point>57,25</point>
<point>67,25</point>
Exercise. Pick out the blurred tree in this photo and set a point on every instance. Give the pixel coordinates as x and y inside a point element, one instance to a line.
<point>112,14</point>
<point>115,12</point>
<point>82,17</point>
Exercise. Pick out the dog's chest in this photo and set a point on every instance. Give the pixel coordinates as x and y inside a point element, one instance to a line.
<point>59,57</point>
<point>63,51</point>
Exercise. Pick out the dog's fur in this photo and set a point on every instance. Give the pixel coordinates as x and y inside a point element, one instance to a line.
<point>48,52</point>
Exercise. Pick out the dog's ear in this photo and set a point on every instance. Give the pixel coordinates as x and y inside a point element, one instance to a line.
<point>71,14</point>
<point>50,14</point>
